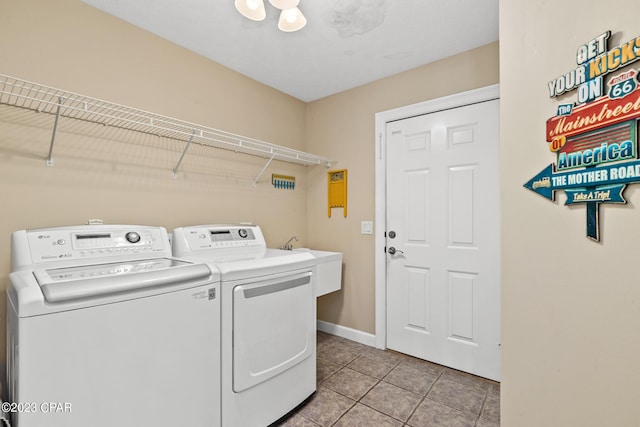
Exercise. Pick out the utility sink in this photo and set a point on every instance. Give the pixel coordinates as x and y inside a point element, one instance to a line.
<point>328,270</point>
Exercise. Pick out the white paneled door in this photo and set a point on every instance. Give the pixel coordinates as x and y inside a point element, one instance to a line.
<point>443,238</point>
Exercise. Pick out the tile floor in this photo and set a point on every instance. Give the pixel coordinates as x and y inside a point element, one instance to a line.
<point>362,386</point>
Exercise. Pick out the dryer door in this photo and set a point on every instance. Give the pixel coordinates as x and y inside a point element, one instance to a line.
<point>273,327</point>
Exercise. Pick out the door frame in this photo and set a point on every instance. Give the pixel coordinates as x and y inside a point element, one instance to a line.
<point>487,93</point>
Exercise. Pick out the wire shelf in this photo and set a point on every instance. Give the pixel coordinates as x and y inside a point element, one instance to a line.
<point>37,97</point>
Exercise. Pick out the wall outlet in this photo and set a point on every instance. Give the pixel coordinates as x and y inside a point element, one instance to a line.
<point>366,227</point>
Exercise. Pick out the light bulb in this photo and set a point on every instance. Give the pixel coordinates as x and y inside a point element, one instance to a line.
<point>252,4</point>
<point>290,16</point>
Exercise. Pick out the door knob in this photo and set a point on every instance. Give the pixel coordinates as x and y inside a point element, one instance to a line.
<point>393,251</point>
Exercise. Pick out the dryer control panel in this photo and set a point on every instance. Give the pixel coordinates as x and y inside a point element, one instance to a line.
<point>218,237</point>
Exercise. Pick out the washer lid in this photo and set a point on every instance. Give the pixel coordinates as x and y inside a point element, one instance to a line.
<point>68,283</point>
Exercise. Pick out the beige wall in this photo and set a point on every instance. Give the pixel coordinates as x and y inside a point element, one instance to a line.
<point>570,307</point>
<point>342,127</point>
<point>72,46</point>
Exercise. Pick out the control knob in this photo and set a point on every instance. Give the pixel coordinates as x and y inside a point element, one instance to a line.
<point>132,237</point>
<point>243,233</point>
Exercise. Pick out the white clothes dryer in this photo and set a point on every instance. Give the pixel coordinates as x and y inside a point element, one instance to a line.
<point>105,329</point>
<point>268,320</point>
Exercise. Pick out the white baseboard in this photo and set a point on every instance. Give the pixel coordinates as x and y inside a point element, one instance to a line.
<point>346,332</point>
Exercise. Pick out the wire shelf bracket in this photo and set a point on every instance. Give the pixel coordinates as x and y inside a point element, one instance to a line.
<point>175,170</point>
<point>255,181</point>
<point>34,96</point>
<point>53,134</point>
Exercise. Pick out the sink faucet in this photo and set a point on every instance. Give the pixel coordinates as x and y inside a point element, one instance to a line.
<point>288,246</point>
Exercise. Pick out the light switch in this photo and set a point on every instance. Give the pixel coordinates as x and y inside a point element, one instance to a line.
<point>366,227</point>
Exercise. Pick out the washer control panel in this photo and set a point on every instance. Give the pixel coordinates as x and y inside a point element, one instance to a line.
<point>47,245</point>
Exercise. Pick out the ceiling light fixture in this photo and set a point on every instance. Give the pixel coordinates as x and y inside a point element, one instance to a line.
<point>252,9</point>
<point>291,18</point>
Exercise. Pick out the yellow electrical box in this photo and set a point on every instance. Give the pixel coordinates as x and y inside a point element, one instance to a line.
<point>337,190</point>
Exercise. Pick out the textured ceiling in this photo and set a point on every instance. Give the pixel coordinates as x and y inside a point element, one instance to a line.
<point>346,43</point>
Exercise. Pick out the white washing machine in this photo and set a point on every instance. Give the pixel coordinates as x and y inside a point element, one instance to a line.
<point>106,329</point>
<point>268,320</point>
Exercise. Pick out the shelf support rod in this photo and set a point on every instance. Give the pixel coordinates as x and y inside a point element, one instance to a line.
<point>255,181</point>
<point>55,129</point>
<point>175,170</point>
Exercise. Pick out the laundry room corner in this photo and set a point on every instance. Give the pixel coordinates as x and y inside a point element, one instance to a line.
<point>102,172</point>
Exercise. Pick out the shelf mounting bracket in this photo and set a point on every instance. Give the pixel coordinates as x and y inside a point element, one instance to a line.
<point>255,181</point>
<point>175,170</point>
<point>55,130</point>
